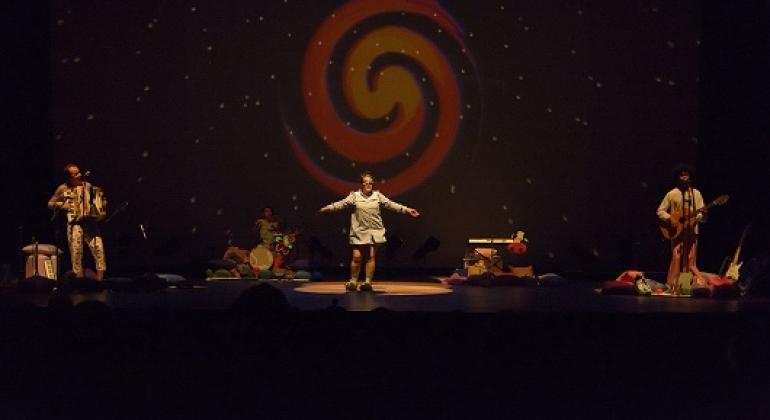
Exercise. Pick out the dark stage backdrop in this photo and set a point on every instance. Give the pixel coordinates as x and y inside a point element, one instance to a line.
<point>562,119</point>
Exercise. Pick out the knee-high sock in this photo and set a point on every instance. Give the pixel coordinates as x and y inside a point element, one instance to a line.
<point>370,269</point>
<point>355,269</point>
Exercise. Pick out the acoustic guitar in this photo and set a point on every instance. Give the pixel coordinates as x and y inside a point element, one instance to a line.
<point>679,223</point>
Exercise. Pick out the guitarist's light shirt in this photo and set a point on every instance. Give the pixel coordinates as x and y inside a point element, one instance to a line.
<point>674,201</point>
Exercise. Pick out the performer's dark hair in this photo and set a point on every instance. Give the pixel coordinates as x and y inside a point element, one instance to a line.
<point>268,207</point>
<point>66,169</point>
<point>681,168</point>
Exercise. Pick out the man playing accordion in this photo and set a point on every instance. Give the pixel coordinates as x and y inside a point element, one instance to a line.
<point>85,207</point>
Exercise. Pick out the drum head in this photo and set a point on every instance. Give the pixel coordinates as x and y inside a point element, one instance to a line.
<point>261,257</point>
<point>42,249</point>
<point>486,253</point>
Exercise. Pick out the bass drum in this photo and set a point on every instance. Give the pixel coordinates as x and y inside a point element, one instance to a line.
<point>261,258</point>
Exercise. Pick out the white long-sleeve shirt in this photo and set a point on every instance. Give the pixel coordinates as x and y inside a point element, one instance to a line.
<point>366,225</point>
<point>675,200</point>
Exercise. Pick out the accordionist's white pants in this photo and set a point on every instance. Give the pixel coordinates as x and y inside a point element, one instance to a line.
<point>88,231</point>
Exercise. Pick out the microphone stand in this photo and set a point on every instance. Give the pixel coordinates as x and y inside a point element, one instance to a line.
<point>37,273</point>
<point>56,239</point>
<point>116,212</point>
<point>686,204</point>
<point>149,263</point>
<point>688,211</point>
<point>54,220</point>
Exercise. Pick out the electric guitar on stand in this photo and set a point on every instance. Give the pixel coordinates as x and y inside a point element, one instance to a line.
<point>733,270</point>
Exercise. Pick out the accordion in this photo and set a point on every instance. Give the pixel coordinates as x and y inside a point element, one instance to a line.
<point>86,202</point>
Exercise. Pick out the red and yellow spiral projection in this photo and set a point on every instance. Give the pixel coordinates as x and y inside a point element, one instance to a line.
<point>375,94</point>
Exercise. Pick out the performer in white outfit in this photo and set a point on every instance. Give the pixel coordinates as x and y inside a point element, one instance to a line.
<point>366,227</point>
<point>683,199</point>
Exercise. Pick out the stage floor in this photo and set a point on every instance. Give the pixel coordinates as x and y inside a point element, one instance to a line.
<point>480,351</point>
<point>404,295</point>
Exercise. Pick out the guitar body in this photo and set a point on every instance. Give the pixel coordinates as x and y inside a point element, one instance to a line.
<point>733,271</point>
<point>675,226</point>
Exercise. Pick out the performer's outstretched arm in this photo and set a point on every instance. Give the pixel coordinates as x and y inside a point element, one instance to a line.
<point>339,205</point>
<point>397,207</point>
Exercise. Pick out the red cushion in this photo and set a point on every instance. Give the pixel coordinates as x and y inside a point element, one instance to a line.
<point>615,287</point>
<point>629,276</point>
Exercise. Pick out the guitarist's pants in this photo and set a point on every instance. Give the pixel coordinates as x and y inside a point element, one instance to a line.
<point>87,230</point>
<point>676,266</point>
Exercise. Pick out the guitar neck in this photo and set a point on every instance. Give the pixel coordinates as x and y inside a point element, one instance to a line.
<point>704,208</point>
<point>740,245</point>
<point>737,254</point>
